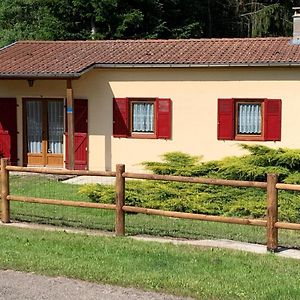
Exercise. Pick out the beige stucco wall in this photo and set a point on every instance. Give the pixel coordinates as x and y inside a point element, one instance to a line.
<point>20,89</point>
<point>194,93</point>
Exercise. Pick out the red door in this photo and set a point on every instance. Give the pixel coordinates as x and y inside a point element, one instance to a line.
<point>8,129</point>
<point>80,134</point>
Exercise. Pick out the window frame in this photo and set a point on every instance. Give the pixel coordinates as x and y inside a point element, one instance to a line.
<point>142,135</point>
<point>248,137</point>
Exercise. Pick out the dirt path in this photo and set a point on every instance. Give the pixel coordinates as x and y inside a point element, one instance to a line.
<point>27,286</point>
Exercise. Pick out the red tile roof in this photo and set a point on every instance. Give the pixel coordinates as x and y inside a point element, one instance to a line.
<point>72,58</point>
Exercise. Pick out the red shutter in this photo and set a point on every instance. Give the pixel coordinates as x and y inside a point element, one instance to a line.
<point>8,129</point>
<point>225,119</point>
<point>272,119</point>
<point>5,144</point>
<point>80,135</point>
<point>80,149</point>
<point>120,117</point>
<point>163,118</point>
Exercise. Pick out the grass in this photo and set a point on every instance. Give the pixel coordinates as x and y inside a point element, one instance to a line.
<point>182,270</point>
<point>49,187</point>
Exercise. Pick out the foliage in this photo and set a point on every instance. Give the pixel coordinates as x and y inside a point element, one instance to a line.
<point>196,198</point>
<point>253,166</point>
<point>213,200</point>
<point>120,19</point>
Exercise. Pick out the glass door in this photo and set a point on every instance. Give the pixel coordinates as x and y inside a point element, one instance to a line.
<point>44,132</point>
<point>34,122</point>
<point>55,126</point>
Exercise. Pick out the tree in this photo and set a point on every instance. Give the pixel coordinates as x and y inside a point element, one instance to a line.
<point>135,19</point>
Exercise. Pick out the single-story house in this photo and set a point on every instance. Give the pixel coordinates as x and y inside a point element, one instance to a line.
<point>93,104</point>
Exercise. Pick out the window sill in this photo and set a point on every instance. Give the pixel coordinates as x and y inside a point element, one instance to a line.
<point>246,138</point>
<point>143,136</point>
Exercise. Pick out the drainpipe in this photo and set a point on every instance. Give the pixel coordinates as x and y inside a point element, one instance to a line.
<point>70,120</point>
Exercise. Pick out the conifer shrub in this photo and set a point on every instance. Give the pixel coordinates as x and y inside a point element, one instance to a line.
<point>209,199</point>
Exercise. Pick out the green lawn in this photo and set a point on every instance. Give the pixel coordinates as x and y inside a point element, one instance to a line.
<point>182,270</point>
<point>48,187</point>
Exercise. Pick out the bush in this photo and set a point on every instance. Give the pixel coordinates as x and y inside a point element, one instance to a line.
<point>254,166</point>
<point>209,199</point>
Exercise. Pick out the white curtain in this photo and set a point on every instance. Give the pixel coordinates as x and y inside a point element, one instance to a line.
<point>55,126</point>
<point>249,119</point>
<point>34,126</point>
<point>143,117</point>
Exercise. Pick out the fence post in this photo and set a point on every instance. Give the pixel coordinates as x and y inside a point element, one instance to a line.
<point>272,212</point>
<point>5,215</point>
<point>120,200</point>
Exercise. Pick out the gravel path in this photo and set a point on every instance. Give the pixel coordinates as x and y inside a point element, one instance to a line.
<point>27,286</point>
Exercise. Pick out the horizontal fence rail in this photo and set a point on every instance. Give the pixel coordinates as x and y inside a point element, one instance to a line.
<point>60,172</point>
<point>271,222</point>
<point>61,202</point>
<point>175,214</point>
<point>226,182</point>
<point>288,187</point>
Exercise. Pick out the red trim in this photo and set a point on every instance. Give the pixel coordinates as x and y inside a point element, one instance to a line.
<point>120,117</point>
<point>226,108</point>
<point>163,118</point>
<point>272,119</point>
<point>8,129</point>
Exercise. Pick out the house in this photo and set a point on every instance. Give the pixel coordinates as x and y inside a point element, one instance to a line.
<point>92,104</point>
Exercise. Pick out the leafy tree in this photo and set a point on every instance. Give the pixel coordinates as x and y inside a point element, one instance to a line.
<point>123,19</point>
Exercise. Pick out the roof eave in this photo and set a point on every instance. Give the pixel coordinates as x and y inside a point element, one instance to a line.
<point>141,65</point>
<point>207,65</point>
<point>40,76</point>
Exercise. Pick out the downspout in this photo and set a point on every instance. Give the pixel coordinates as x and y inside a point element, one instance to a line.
<point>70,120</point>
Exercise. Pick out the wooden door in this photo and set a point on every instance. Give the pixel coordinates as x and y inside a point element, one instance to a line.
<point>80,135</point>
<point>43,136</point>
<point>8,129</point>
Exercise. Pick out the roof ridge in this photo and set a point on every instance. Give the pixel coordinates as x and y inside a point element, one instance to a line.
<point>146,40</point>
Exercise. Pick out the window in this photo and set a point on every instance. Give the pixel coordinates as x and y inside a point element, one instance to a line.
<point>249,119</point>
<point>142,118</point>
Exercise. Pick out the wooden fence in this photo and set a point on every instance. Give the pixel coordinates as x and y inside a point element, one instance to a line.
<point>271,186</point>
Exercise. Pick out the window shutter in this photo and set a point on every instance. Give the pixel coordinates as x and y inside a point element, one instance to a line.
<point>120,117</point>
<point>163,118</point>
<point>225,119</point>
<point>272,120</point>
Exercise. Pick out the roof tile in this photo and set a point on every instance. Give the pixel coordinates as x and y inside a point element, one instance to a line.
<point>71,58</point>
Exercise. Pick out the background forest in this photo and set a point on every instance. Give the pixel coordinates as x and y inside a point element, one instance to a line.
<point>134,19</point>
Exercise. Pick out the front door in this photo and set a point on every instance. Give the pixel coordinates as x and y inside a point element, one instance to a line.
<point>44,128</point>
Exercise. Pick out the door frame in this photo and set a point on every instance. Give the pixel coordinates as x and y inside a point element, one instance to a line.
<point>44,124</point>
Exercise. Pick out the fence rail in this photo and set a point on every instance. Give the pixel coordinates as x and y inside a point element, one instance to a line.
<point>272,186</point>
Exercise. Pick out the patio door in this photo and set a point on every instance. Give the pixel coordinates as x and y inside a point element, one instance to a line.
<point>44,126</point>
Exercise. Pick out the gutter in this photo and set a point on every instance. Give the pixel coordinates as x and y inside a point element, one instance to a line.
<point>40,76</point>
<point>192,65</point>
<point>174,66</point>
<point>140,66</point>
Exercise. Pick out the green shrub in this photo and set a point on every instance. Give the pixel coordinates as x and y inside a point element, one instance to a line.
<point>253,166</point>
<point>293,178</point>
<point>209,199</point>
